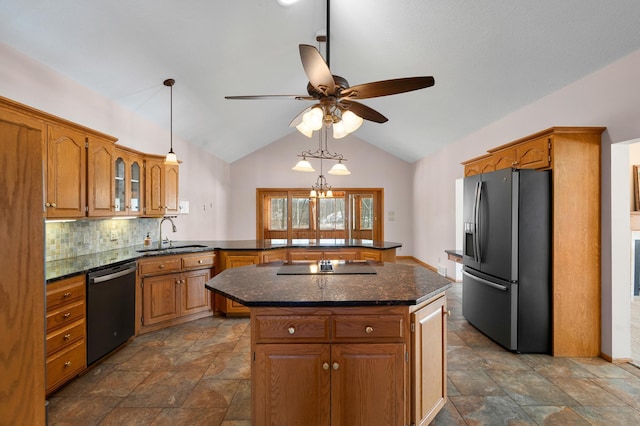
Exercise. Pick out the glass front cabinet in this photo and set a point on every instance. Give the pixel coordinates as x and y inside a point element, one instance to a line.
<point>128,183</point>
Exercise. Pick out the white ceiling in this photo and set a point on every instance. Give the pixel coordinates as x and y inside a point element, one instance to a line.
<point>488,58</point>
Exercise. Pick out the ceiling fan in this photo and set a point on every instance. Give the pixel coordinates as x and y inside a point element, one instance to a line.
<point>338,104</point>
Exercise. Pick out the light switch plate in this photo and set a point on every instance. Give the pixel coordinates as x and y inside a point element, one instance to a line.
<point>183,207</point>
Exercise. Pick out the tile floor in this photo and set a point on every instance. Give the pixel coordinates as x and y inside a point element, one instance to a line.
<point>198,374</point>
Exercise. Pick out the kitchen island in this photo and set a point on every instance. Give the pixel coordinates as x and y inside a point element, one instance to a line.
<point>362,344</point>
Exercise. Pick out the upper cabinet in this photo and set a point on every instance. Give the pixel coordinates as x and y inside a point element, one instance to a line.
<point>65,172</point>
<point>161,187</point>
<point>86,174</point>
<point>100,177</point>
<point>128,180</point>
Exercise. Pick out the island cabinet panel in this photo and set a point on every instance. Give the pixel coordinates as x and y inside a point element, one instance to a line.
<point>429,362</point>
<point>172,289</point>
<point>292,384</point>
<point>332,365</point>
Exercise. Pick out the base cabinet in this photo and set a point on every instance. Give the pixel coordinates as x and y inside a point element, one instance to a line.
<point>66,331</point>
<point>172,290</point>
<point>348,366</point>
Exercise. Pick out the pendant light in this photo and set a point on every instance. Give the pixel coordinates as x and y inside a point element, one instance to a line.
<point>171,156</point>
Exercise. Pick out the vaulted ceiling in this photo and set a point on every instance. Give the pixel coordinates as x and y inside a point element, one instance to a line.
<point>488,58</point>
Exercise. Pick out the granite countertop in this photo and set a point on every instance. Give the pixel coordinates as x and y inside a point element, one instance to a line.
<point>392,284</point>
<point>65,268</point>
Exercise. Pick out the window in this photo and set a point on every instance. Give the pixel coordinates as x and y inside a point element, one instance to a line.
<point>292,214</point>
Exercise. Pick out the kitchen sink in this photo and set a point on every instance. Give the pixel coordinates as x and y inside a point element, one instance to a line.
<point>171,248</point>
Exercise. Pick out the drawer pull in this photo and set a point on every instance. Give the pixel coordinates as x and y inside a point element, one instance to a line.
<point>336,365</point>
<point>66,315</point>
<point>325,366</point>
<point>67,364</point>
<point>368,330</point>
<point>200,261</point>
<point>161,266</point>
<point>67,294</point>
<point>67,336</point>
<point>291,330</point>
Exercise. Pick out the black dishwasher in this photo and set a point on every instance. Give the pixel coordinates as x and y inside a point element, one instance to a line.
<point>111,294</point>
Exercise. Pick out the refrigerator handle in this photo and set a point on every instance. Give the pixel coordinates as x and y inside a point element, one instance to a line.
<point>476,221</point>
<point>486,282</point>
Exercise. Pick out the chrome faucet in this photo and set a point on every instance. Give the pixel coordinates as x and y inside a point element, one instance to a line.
<point>169,218</point>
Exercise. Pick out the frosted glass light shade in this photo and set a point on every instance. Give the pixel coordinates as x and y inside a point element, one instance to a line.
<point>313,118</point>
<point>171,158</point>
<point>304,129</point>
<point>351,121</point>
<point>339,169</point>
<point>339,131</point>
<point>303,166</point>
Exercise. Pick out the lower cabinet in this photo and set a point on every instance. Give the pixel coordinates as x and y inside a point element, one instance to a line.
<point>66,331</point>
<point>349,366</point>
<point>172,289</point>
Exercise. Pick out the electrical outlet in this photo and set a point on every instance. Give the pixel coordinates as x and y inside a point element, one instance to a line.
<point>114,235</point>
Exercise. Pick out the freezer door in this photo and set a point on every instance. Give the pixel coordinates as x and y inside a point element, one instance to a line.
<point>497,225</point>
<point>491,307</point>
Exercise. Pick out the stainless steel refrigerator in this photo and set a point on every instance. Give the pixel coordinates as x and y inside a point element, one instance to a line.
<point>507,257</point>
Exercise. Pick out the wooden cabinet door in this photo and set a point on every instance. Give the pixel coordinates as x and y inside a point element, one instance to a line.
<point>429,367</point>
<point>65,193</point>
<point>170,189</point>
<point>101,177</point>
<point>291,385</point>
<point>194,296</point>
<point>368,384</point>
<point>534,154</point>
<point>160,298</point>
<point>153,198</point>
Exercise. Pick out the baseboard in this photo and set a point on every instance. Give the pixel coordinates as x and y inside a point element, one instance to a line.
<point>615,360</point>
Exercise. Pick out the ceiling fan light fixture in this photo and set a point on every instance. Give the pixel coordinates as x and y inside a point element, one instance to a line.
<point>351,121</point>
<point>304,129</point>
<point>339,169</point>
<point>339,131</point>
<point>303,166</point>
<point>313,118</point>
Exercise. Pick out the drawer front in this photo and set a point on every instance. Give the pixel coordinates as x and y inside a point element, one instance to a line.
<point>65,314</point>
<point>66,364</point>
<point>369,327</point>
<point>201,261</point>
<point>65,336</point>
<point>66,291</point>
<point>290,328</point>
<point>160,266</point>
<point>305,255</point>
<point>341,255</point>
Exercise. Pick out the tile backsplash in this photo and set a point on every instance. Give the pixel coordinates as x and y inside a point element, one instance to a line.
<point>70,239</point>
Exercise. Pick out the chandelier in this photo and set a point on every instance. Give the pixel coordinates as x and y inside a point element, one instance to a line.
<point>322,153</point>
<point>328,113</point>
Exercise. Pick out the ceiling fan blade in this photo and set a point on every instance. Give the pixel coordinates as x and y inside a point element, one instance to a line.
<point>387,87</point>
<point>316,69</point>
<point>365,112</point>
<point>274,97</point>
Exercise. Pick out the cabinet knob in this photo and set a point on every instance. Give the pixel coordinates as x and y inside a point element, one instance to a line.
<point>336,365</point>
<point>161,266</point>
<point>67,336</point>
<point>368,330</point>
<point>53,205</point>
<point>325,366</point>
<point>67,294</point>
<point>67,364</point>
<point>200,261</point>
<point>291,330</point>
<point>66,315</point>
<point>47,204</point>
<point>447,313</point>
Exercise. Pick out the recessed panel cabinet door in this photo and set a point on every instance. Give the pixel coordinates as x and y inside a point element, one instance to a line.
<point>195,297</point>
<point>429,362</point>
<point>291,385</point>
<point>101,177</point>
<point>65,194</point>
<point>160,298</point>
<point>367,384</point>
